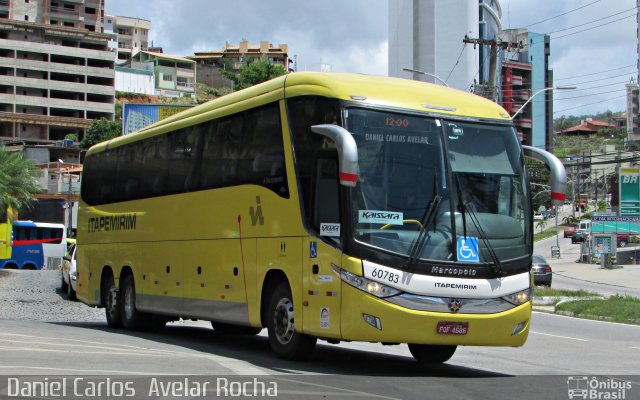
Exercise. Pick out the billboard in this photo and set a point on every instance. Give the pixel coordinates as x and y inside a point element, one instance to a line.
<point>629,184</point>
<point>138,116</point>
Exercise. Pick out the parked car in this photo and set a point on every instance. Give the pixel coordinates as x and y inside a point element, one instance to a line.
<point>622,240</point>
<point>69,272</point>
<point>580,236</point>
<point>569,231</point>
<point>542,273</point>
<point>538,217</point>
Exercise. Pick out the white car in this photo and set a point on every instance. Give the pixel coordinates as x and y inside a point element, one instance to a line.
<point>69,274</point>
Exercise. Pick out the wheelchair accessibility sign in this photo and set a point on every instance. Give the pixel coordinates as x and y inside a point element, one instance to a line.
<point>468,249</point>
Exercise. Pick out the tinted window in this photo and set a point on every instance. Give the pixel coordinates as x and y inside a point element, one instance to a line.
<point>305,112</point>
<point>245,148</point>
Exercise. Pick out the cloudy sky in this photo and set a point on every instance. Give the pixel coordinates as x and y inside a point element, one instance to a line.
<point>593,42</point>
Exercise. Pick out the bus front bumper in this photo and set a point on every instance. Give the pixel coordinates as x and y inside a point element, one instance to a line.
<point>367,318</point>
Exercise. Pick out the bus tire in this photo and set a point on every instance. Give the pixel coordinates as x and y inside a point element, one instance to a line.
<point>71,294</point>
<point>283,338</point>
<point>111,301</point>
<point>230,329</point>
<point>132,319</point>
<point>63,285</point>
<point>429,354</point>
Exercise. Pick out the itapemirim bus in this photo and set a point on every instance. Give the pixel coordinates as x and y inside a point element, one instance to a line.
<point>320,206</point>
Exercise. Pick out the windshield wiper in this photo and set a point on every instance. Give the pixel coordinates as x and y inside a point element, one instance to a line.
<point>496,267</point>
<point>427,218</point>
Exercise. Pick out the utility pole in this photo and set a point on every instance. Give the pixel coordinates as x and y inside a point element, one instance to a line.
<point>494,45</point>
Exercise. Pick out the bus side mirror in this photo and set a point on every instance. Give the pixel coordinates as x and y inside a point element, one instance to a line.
<point>347,151</point>
<point>557,171</point>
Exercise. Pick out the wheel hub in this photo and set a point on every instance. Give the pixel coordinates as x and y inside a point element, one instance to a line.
<point>283,321</point>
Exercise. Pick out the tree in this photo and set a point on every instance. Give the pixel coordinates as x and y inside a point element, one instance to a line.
<point>18,180</point>
<point>541,224</point>
<point>99,131</point>
<point>254,72</point>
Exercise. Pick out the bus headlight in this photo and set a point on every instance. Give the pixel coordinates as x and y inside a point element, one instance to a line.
<point>518,298</point>
<point>366,285</point>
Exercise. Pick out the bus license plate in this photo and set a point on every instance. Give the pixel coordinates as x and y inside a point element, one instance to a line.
<point>453,328</point>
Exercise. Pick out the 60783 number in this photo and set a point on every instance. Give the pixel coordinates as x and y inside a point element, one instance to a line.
<point>385,275</point>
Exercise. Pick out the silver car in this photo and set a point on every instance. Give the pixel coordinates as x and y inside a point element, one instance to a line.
<point>69,274</point>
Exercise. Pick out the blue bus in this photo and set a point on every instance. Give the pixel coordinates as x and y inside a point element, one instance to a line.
<point>35,245</point>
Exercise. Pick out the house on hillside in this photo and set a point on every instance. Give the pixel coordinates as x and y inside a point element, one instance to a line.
<point>587,127</point>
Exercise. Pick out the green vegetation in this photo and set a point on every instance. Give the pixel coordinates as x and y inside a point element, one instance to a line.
<point>625,309</point>
<point>254,72</point>
<point>100,130</point>
<point>18,180</point>
<point>549,292</point>
<point>546,234</point>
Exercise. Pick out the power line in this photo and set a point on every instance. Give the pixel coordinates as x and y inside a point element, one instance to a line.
<point>593,21</point>
<point>526,91</point>
<point>464,46</point>
<point>593,27</point>
<point>594,73</point>
<point>565,13</point>
<point>590,104</point>
<point>589,95</point>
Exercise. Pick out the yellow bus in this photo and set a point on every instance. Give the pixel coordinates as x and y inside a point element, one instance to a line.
<point>320,206</point>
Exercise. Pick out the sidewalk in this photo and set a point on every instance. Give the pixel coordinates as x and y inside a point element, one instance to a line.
<point>628,276</point>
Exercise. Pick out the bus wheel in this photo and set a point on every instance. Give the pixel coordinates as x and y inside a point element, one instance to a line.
<point>431,354</point>
<point>63,285</point>
<point>283,338</point>
<point>111,300</point>
<point>131,318</point>
<point>230,329</point>
<point>71,294</point>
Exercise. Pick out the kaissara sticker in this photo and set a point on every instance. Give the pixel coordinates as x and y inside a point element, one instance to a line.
<point>325,315</point>
<point>380,217</point>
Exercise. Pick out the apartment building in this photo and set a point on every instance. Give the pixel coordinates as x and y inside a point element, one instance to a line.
<point>56,72</point>
<point>81,14</point>
<point>238,54</point>
<point>132,36</point>
<point>174,76</point>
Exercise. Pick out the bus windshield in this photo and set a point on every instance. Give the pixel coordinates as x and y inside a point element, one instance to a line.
<point>449,179</point>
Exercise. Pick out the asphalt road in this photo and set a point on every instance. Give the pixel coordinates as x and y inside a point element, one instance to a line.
<point>64,343</point>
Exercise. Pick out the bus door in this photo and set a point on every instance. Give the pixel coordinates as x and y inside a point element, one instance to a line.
<point>321,286</point>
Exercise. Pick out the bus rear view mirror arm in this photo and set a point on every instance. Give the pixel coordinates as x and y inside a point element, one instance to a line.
<point>557,171</point>
<point>347,151</point>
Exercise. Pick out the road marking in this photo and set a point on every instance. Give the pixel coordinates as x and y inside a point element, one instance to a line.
<point>587,320</point>
<point>84,371</point>
<point>559,336</point>
<point>349,392</point>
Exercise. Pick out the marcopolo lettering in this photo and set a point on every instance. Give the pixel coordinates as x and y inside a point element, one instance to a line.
<point>122,222</point>
<point>453,271</point>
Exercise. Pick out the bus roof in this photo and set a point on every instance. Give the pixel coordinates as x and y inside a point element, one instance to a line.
<point>381,91</point>
<point>38,224</point>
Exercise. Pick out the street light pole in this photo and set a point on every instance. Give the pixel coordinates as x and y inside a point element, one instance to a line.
<point>417,71</point>
<point>537,93</point>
